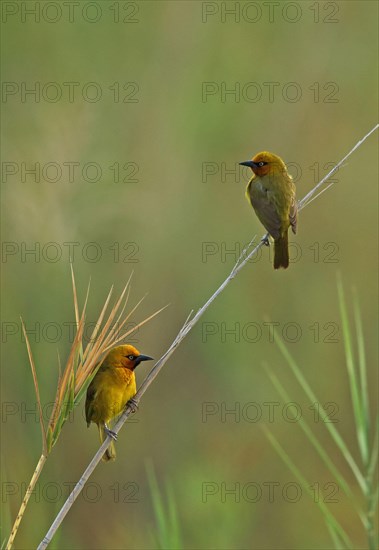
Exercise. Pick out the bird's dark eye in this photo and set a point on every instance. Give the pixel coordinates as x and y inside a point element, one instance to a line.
<point>131,357</point>
<point>261,163</point>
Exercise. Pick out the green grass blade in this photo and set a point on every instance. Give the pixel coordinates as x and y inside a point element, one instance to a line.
<point>374,454</point>
<point>66,408</point>
<point>372,491</point>
<point>36,388</point>
<point>312,438</point>
<point>167,535</point>
<point>323,414</point>
<point>362,366</point>
<point>49,439</point>
<point>353,381</point>
<point>373,542</point>
<point>160,517</point>
<point>173,518</point>
<point>374,501</point>
<point>338,544</point>
<point>327,514</point>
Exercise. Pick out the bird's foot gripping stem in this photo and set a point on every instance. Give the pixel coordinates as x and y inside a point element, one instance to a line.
<point>266,240</point>
<point>111,433</point>
<point>133,404</point>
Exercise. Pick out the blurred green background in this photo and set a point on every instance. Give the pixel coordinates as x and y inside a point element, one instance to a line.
<point>179,227</point>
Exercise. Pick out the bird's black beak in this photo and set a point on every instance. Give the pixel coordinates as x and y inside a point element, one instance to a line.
<point>248,163</point>
<point>141,358</point>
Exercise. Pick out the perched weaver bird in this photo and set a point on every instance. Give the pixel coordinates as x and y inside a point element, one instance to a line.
<point>113,386</point>
<point>272,194</point>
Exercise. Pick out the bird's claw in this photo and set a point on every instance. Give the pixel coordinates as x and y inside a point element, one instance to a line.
<point>111,433</point>
<point>133,404</point>
<point>266,240</point>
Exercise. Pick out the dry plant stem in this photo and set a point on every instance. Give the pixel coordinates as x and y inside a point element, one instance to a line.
<point>311,195</point>
<point>241,262</point>
<point>43,457</point>
<point>25,500</point>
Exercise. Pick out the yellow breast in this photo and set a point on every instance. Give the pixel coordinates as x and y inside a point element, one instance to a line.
<point>114,389</point>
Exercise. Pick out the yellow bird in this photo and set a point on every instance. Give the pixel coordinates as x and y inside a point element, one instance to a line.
<point>272,194</point>
<point>113,386</point>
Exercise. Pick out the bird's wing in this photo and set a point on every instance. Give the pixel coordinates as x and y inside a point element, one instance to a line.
<point>91,393</point>
<point>293,216</point>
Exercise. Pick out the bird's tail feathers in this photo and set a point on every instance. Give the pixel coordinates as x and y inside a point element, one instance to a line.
<point>281,257</point>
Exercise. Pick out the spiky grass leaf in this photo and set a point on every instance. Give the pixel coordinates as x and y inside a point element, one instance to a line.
<point>62,401</point>
<point>359,392</point>
<point>36,389</point>
<point>167,535</point>
<point>135,328</point>
<point>372,465</point>
<point>75,294</point>
<point>362,367</point>
<point>324,455</point>
<point>323,414</point>
<point>339,532</point>
<point>156,497</point>
<point>98,323</point>
<point>355,390</point>
<point>173,517</point>
<point>49,439</point>
<point>114,332</point>
<point>334,536</point>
